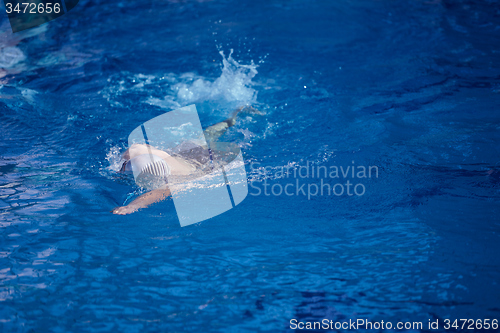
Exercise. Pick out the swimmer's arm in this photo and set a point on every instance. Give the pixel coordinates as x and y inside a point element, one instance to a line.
<point>143,201</point>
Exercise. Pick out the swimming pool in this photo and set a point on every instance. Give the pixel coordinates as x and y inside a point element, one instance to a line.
<point>409,88</point>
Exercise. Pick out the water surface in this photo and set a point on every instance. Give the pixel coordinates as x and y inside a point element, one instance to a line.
<point>411,87</point>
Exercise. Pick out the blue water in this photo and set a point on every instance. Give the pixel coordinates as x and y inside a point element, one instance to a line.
<point>412,87</point>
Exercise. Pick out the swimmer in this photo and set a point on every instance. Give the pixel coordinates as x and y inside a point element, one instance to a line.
<point>189,159</point>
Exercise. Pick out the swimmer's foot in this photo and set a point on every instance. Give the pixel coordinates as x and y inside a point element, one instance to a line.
<point>212,133</point>
<point>244,109</point>
<point>252,110</point>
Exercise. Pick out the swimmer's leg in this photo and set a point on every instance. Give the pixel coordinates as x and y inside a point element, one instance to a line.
<point>213,133</point>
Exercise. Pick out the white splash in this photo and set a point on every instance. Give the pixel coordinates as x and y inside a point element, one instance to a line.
<point>234,85</point>
<point>114,158</point>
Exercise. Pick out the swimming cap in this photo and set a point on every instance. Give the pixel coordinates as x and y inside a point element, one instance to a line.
<point>151,171</point>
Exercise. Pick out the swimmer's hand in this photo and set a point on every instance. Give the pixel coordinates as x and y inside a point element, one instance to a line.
<point>143,201</point>
<point>125,210</point>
